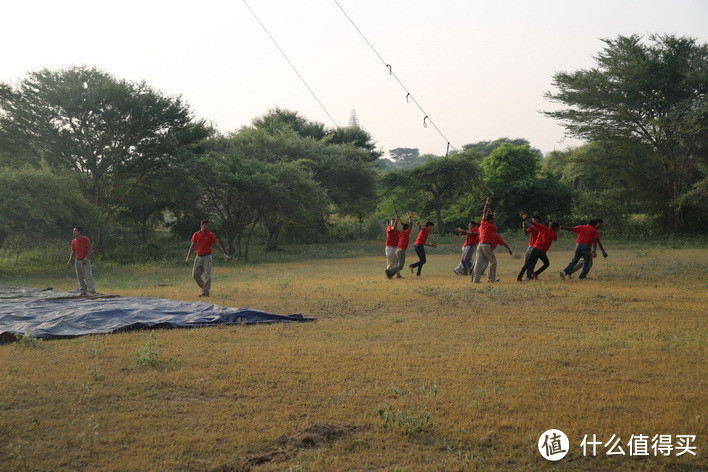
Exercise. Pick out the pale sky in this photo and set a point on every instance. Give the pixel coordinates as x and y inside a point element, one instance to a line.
<point>479,69</point>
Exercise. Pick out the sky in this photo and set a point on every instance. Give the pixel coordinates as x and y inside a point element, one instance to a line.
<point>478,69</point>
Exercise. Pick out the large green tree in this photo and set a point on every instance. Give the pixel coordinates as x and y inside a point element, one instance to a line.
<point>435,185</point>
<point>116,135</point>
<point>647,99</point>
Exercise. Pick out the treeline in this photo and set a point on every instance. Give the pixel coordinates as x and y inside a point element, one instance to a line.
<point>79,146</point>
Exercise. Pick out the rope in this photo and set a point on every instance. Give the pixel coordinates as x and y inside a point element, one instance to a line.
<point>390,72</point>
<point>291,64</point>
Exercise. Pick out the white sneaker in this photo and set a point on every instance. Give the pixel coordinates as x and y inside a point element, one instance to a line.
<point>563,274</point>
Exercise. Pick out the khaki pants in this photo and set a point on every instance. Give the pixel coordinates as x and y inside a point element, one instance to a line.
<point>391,257</point>
<point>466,265</point>
<point>485,256</point>
<point>83,273</point>
<point>202,265</point>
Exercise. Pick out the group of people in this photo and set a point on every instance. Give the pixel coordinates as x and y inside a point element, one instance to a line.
<point>481,241</point>
<point>201,243</point>
<point>397,242</point>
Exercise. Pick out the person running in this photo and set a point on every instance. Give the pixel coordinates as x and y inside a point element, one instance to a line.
<point>391,244</point>
<point>419,246</point>
<point>545,236</point>
<point>587,238</point>
<point>532,233</point>
<point>581,262</point>
<point>488,240</point>
<point>466,265</point>
<point>202,241</point>
<point>81,252</point>
<point>404,238</point>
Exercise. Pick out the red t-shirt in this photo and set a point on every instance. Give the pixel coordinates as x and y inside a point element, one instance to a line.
<point>422,236</point>
<point>545,236</point>
<point>392,236</point>
<point>472,239</point>
<point>80,245</point>
<point>204,242</point>
<point>404,237</point>
<point>496,240</point>
<point>586,234</point>
<point>532,235</point>
<point>487,231</point>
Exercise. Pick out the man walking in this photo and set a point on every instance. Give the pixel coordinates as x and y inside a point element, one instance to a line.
<point>202,241</point>
<point>584,243</point>
<point>81,252</point>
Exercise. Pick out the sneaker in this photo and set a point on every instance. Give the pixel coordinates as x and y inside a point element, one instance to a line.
<point>204,294</point>
<point>495,280</point>
<point>583,278</point>
<point>388,274</point>
<point>527,278</point>
<point>519,279</point>
<point>563,274</point>
<point>534,277</point>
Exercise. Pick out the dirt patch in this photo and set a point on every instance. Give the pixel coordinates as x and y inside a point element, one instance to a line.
<point>308,436</point>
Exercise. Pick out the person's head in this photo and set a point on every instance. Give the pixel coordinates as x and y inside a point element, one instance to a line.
<point>592,222</point>
<point>429,224</point>
<point>535,219</point>
<point>205,225</point>
<point>555,225</point>
<point>599,223</point>
<point>489,218</point>
<point>77,231</point>
<point>405,226</point>
<point>471,224</point>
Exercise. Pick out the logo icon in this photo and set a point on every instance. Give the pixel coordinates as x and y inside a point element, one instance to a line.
<point>553,444</point>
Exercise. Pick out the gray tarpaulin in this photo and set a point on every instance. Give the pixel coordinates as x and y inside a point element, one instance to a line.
<point>46,313</point>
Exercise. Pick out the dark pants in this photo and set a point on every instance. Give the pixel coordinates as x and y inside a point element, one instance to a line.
<point>420,250</point>
<point>534,255</point>
<point>582,251</point>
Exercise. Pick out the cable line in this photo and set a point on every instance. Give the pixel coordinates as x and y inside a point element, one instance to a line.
<point>291,64</point>
<point>426,118</point>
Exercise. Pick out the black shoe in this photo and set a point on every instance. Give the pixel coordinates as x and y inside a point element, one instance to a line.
<point>388,274</point>
<point>204,294</point>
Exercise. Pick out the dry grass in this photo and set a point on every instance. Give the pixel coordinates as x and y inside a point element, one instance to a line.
<point>490,366</point>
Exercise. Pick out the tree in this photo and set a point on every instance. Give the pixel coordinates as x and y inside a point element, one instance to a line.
<point>115,134</point>
<point>37,204</point>
<point>436,184</point>
<point>485,148</point>
<point>512,175</point>
<point>647,99</point>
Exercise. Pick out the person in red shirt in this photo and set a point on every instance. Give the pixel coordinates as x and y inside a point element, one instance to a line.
<point>404,237</point>
<point>587,238</point>
<point>466,265</point>
<point>545,236</point>
<point>391,243</point>
<point>81,252</point>
<point>419,246</point>
<point>202,241</point>
<point>488,240</point>
<point>532,233</point>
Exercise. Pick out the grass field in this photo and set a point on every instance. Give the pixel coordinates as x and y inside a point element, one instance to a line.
<point>420,374</point>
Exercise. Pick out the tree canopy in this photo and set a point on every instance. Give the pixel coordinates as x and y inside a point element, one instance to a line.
<point>647,99</point>
<point>115,134</point>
